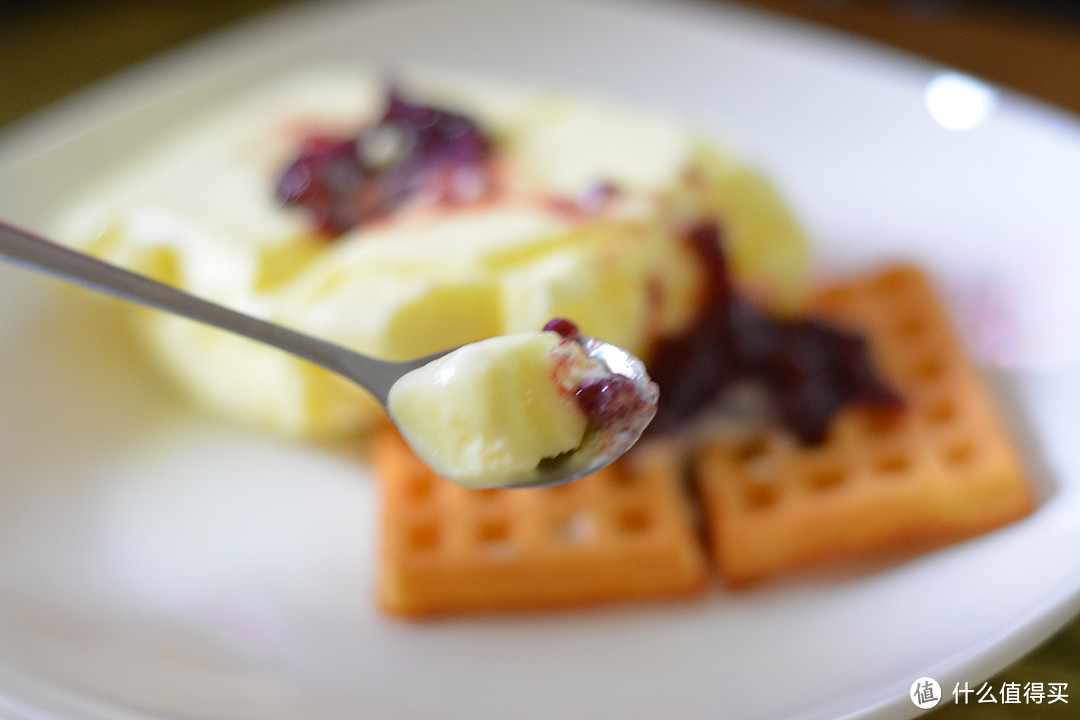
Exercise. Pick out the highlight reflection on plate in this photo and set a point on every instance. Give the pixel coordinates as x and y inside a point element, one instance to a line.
<point>156,563</point>
<point>958,102</point>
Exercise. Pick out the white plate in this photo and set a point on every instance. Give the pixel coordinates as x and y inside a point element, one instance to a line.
<point>154,563</point>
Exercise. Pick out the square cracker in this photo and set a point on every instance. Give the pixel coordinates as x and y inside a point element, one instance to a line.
<point>941,469</point>
<point>624,533</point>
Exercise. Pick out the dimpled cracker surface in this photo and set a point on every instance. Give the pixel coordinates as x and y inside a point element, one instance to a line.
<point>624,533</point>
<point>941,469</point>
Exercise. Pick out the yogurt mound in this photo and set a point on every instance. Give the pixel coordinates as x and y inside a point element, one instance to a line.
<point>514,410</point>
<point>587,223</point>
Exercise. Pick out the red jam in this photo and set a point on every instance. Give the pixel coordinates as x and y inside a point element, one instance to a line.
<point>807,368</point>
<point>613,402</point>
<point>413,150</point>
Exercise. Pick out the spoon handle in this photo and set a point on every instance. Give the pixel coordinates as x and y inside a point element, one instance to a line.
<point>34,252</point>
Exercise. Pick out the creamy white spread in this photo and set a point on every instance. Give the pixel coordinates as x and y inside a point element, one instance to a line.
<point>489,413</point>
<point>199,212</point>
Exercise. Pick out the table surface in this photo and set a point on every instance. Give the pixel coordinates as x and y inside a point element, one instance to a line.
<point>51,48</point>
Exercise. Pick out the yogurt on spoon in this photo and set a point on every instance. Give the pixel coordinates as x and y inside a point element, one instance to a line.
<point>524,409</point>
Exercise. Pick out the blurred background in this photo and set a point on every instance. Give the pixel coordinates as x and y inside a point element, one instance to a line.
<point>50,48</point>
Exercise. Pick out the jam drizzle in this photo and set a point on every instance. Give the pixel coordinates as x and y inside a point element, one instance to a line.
<point>611,402</point>
<point>413,151</point>
<point>807,368</point>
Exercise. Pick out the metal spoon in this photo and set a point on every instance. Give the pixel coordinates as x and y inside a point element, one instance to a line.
<point>376,376</point>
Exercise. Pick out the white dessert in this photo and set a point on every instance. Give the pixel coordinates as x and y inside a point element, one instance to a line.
<point>199,212</point>
<point>489,413</point>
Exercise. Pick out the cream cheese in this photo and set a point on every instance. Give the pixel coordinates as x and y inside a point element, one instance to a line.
<point>199,212</point>
<point>489,413</point>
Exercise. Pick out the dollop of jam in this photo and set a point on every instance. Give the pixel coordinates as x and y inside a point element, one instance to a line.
<point>807,368</point>
<point>611,402</point>
<point>414,150</point>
